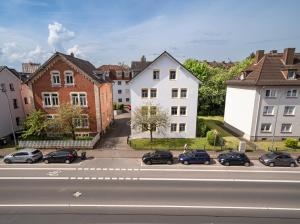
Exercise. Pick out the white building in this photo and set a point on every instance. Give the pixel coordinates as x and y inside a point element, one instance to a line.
<point>167,83</point>
<point>264,102</point>
<point>120,76</point>
<point>15,99</point>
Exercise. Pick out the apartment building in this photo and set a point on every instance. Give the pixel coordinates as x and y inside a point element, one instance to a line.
<point>167,83</point>
<point>263,102</point>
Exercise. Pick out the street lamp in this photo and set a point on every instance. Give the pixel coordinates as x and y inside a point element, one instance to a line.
<point>3,90</point>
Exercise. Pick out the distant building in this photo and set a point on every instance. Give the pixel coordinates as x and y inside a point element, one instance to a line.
<point>120,76</point>
<point>263,102</point>
<point>30,67</point>
<point>138,66</point>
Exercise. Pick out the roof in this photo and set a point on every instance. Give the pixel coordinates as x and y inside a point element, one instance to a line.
<point>85,66</point>
<point>13,71</point>
<point>166,53</point>
<point>110,71</point>
<point>139,65</point>
<point>268,71</point>
<point>112,67</point>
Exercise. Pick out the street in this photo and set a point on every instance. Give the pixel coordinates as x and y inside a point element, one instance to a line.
<point>127,191</point>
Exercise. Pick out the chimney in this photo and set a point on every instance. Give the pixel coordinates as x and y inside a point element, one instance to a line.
<point>288,56</point>
<point>72,54</point>
<point>143,59</point>
<point>259,55</point>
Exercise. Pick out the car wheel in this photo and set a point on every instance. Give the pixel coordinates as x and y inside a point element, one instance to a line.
<point>46,161</point>
<point>226,164</point>
<point>67,161</point>
<point>29,161</point>
<point>7,161</point>
<point>149,162</point>
<point>272,164</point>
<point>292,165</point>
<point>169,162</point>
<point>186,163</point>
<point>247,164</point>
<point>207,162</point>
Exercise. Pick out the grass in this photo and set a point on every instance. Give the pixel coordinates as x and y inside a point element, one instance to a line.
<point>265,145</point>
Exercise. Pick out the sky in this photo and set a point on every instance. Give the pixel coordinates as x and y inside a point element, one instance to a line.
<point>120,31</point>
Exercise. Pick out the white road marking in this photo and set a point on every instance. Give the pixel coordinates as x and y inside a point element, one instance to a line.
<point>94,178</point>
<point>99,169</point>
<point>77,194</point>
<point>158,206</point>
<point>39,168</point>
<point>111,168</point>
<point>92,168</point>
<point>104,168</point>
<point>34,178</point>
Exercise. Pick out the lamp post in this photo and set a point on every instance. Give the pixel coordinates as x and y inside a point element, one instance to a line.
<point>10,115</point>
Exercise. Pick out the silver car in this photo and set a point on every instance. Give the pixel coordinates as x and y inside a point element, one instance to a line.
<point>24,156</point>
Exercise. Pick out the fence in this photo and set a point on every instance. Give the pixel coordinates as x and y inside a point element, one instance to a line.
<point>54,144</point>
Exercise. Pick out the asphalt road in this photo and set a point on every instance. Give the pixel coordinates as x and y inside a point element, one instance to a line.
<point>126,191</point>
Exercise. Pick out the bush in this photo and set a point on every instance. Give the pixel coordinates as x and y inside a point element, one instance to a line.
<point>213,138</point>
<point>84,138</point>
<point>121,106</point>
<point>202,129</point>
<point>291,143</point>
<point>115,106</point>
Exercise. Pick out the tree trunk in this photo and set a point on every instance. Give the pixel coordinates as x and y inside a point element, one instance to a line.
<point>73,134</point>
<point>151,137</point>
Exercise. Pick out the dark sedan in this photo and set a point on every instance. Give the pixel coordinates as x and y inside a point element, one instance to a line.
<point>277,159</point>
<point>194,157</point>
<point>234,158</point>
<point>158,157</point>
<point>61,156</point>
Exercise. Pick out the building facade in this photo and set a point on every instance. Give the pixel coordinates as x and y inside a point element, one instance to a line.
<point>66,79</point>
<point>168,84</point>
<point>263,102</point>
<point>120,77</point>
<point>15,99</point>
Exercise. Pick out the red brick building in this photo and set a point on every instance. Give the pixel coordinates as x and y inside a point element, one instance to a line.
<point>67,79</point>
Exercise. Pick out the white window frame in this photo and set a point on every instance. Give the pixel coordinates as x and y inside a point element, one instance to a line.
<point>156,74</point>
<point>51,99</point>
<point>273,93</point>
<point>119,83</point>
<point>289,114</point>
<point>266,130</point>
<point>184,127</point>
<point>283,130</point>
<point>147,90</point>
<point>172,70</point>
<point>155,90</point>
<point>173,124</point>
<point>174,97</point>
<point>126,74</point>
<point>176,111</point>
<point>55,73</point>
<point>119,74</point>
<point>289,93</point>
<point>69,73</point>
<point>78,98</point>
<point>186,94</point>
<point>80,121</point>
<point>294,77</point>
<point>185,110</point>
<point>266,112</point>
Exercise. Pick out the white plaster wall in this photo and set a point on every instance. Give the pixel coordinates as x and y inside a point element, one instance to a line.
<point>164,89</point>
<point>125,92</point>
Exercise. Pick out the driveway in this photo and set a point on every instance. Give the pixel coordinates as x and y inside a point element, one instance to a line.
<point>116,137</point>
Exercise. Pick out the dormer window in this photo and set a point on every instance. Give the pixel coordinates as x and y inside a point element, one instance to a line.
<point>292,74</point>
<point>119,74</point>
<point>126,74</point>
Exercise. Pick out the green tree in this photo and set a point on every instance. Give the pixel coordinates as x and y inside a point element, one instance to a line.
<point>35,125</point>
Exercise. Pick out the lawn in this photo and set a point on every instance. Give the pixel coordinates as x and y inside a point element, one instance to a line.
<point>279,146</point>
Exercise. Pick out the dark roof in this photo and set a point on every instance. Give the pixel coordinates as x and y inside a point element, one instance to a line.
<point>110,71</point>
<point>269,70</point>
<point>166,53</point>
<point>139,65</point>
<point>85,66</point>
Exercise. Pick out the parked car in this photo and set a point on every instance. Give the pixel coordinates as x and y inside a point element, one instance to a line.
<point>158,157</point>
<point>233,158</point>
<point>61,156</point>
<point>277,159</point>
<point>195,156</point>
<point>298,159</point>
<point>24,156</point>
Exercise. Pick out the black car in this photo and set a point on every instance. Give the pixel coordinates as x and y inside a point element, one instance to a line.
<point>277,159</point>
<point>195,156</point>
<point>158,157</point>
<point>234,158</point>
<point>298,159</point>
<point>61,156</point>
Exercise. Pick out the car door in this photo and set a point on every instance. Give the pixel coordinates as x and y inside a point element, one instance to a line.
<point>17,157</point>
<point>156,158</point>
<point>286,160</point>
<point>21,157</point>
<point>197,158</point>
<point>279,161</point>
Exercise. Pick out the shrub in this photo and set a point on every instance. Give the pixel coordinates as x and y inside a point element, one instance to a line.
<point>202,128</point>
<point>84,138</point>
<point>115,106</point>
<point>213,138</point>
<point>121,107</point>
<point>291,143</point>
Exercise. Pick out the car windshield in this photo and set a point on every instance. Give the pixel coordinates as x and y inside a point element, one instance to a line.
<point>271,155</point>
<point>36,152</point>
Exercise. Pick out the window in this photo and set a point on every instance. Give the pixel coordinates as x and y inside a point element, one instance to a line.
<point>50,116</point>
<point>265,128</point>
<point>270,93</point>
<point>182,110</point>
<point>3,87</point>
<point>144,93</point>
<point>291,93</point>
<point>152,110</point>
<point>172,75</point>
<point>119,83</point>
<point>289,110</point>
<point>120,100</point>
<point>69,78</point>
<point>50,99</point>
<point>127,99</point>
<point>174,110</point>
<point>15,102</point>
<point>126,74</point>
<point>127,82</point>
<point>286,128</point>
<point>156,74</point>
<point>144,111</point>
<point>182,127</point>
<point>144,127</point>
<point>268,110</point>
<point>183,93</point>
<point>17,121</point>
<point>173,127</point>
<point>291,74</point>
<point>174,93</point>
<point>55,78</point>
<point>153,93</point>
<point>82,122</point>
<point>25,100</point>
<point>79,99</point>
<point>11,87</point>
<point>119,91</point>
<point>119,74</point>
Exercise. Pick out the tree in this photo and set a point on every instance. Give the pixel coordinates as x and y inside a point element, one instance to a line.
<point>150,118</point>
<point>35,125</point>
<point>66,120</point>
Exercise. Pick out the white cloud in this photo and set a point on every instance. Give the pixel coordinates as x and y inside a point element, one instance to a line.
<point>75,50</point>
<point>58,34</point>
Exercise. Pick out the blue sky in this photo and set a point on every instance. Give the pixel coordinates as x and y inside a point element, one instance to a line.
<point>108,32</point>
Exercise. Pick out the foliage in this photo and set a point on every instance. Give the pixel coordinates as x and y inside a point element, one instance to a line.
<point>202,128</point>
<point>118,106</point>
<point>84,138</point>
<point>35,125</point>
<point>150,118</point>
<point>213,89</point>
<point>213,137</point>
<point>291,143</point>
